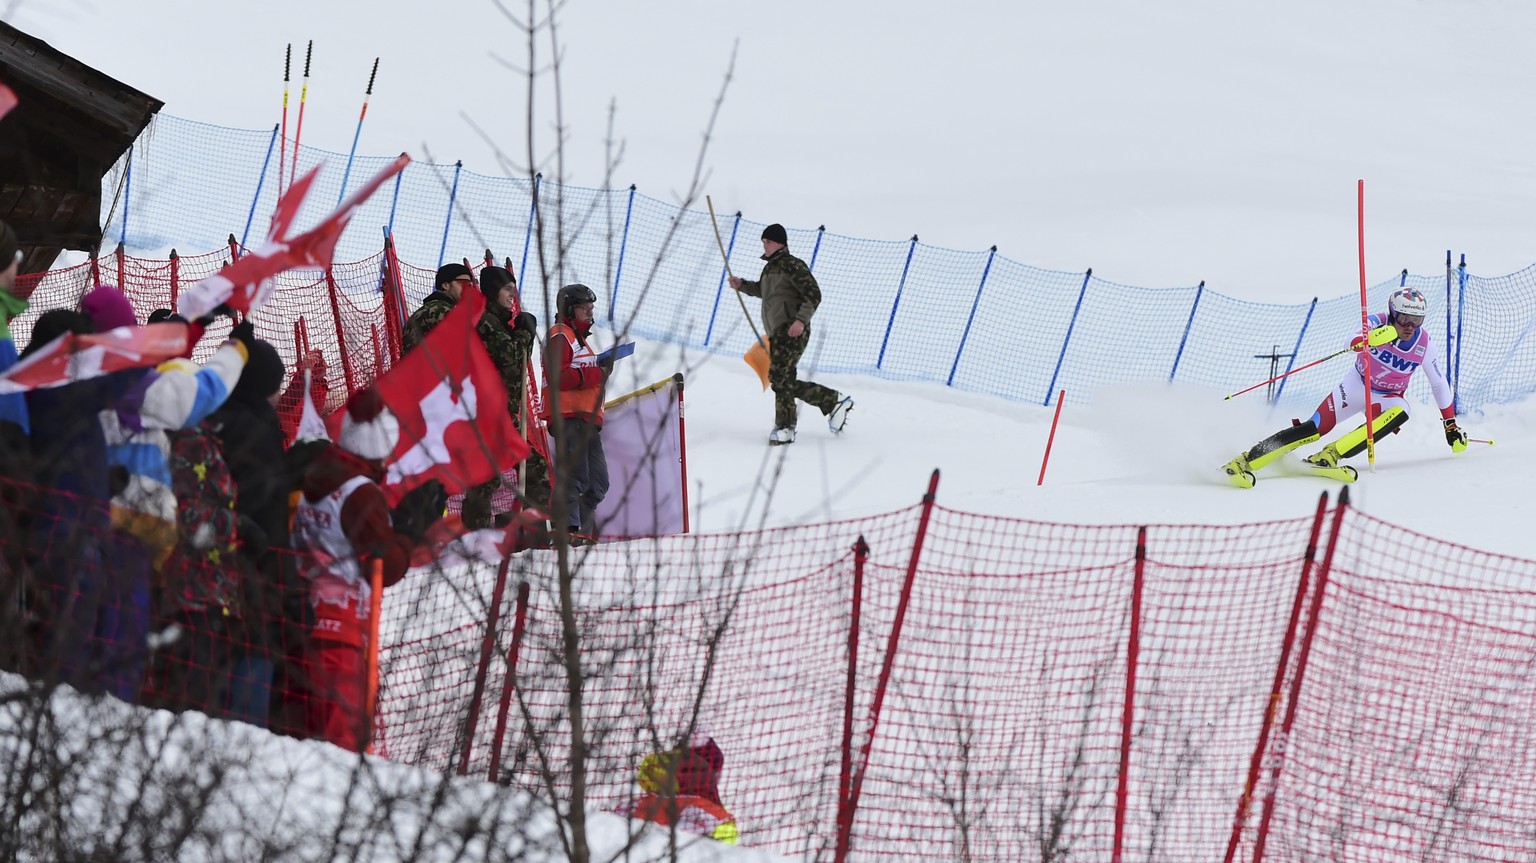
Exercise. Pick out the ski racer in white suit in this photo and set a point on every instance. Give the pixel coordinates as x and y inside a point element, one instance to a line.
<point>1398,346</point>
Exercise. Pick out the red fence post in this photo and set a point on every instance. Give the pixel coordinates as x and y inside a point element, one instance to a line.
<point>1128,715</point>
<point>844,783</point>
<point>175,280</point>
<point>519,625</point>
<point>119,254</point>
<point>890,649</point>
<point>1288,641</point>
<point>1313,611</point>
<point>394,297</point>
<point>341,336</point>
<point>487,647</point>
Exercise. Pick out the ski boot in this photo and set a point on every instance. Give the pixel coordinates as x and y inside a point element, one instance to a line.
<point>1238,472</point>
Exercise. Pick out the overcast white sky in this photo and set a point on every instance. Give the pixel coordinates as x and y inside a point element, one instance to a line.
<point>1158,143</point>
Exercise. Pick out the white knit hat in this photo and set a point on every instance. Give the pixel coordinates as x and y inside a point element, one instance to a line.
<point>368,429</point>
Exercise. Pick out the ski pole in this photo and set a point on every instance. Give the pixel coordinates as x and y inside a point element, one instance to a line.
<point>1489,441</point>
<point>1292,372</point>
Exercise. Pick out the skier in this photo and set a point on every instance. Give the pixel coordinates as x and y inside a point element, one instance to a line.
<point>1398,347</point>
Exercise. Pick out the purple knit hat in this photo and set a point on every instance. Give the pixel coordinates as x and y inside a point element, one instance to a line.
<point>108,308</point>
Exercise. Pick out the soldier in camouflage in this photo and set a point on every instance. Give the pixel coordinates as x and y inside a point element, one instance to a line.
<point>451,280</point>
<point>509,340</point>
<point>790,296</point>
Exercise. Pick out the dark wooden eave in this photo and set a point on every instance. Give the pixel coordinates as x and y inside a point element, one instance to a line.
<point>71,125</point>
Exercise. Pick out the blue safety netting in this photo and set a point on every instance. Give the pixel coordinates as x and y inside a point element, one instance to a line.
<point>900,310</point>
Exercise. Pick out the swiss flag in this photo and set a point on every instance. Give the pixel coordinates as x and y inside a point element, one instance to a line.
<point>452,409</point>
<point>246,284</point>
<point>72,357</point>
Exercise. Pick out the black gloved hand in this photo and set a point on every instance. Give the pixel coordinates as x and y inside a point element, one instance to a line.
<point>1454,436</point>
<point>606,364</point>
<point>244,333</point>
<point>221,309</point>
<point>526,321</point>
<point>419,508</point>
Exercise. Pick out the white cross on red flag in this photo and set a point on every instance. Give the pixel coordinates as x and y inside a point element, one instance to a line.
<point>73,357</point>
<point>452,408</point>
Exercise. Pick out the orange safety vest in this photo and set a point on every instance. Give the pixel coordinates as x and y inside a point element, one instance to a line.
<point>658,809</point>
<point>582,403</point>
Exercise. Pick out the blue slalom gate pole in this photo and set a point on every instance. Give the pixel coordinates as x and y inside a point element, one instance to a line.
<point>260,181</point>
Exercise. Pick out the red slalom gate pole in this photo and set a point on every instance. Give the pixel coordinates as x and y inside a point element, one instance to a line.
<point>1060,397</point>
<point>283,136</point>
<point>1365,332</point>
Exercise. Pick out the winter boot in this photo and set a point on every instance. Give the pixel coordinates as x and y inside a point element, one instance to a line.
<point>839,416</point>
<point>781,436</point>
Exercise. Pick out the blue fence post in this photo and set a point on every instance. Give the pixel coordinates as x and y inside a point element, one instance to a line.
<point>1295,350</point>
<point>1450,369</point>
<point>1461,307</point>
<point>1184,340</point>
<point>821,231</point>
<point>260,181</point>
<point>629,209</point>
<point>453,196</point>
<point>1081,292</point>
<point>394,202</point>
<point>896,304</point>
<point>533,211</point>
<point>975,301</point>
<point>122,238</point>
<point>709,332</point>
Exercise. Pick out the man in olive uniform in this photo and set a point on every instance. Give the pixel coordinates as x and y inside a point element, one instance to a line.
<point>451,280</point>
<point>509,340</point>
<point>790,296</point>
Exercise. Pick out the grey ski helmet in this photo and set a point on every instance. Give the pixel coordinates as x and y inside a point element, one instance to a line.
<point>572,296</point>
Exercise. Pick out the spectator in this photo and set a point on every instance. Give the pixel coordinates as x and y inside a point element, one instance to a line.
<point>790,296</point>
<point>450,284</point>
<point>681,787</point>
<point>577,378</point>
<point>16,474</point>
<point>343,526</point>
<point>251,439</point>
<point>509,340</point>
<point>84,642</point>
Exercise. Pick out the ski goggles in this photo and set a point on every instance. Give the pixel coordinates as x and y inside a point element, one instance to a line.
<point>1414,321</point>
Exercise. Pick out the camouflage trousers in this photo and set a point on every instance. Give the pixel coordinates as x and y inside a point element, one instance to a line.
<point>477,500</point>
<point>784,356</point>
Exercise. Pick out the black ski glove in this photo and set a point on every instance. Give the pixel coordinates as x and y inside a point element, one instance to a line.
<point>1454,435</point>
<point>526,321</point>
<point>244,333</point>
<point>221,309</point>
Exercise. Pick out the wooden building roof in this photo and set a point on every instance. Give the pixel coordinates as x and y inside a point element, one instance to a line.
<point>71,125</point>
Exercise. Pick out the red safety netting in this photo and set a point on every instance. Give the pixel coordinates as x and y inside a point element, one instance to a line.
<point>922,684</point>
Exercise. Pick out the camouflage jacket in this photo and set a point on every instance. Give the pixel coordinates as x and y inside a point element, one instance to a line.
<point>433,309</point>
<point>788,289</point>
<point>510,349</point>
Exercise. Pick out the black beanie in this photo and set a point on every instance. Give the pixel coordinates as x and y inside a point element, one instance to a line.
<point>448,272</point>
<point>493,279</point>
<point>9,244</point>
<point>775,232</point>
<point>263,373</point>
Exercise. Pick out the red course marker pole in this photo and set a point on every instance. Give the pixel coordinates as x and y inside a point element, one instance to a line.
<point>1060,397</point>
